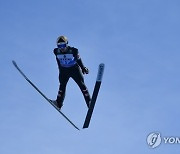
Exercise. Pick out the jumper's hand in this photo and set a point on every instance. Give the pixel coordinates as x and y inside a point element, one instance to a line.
<point>85,70</point>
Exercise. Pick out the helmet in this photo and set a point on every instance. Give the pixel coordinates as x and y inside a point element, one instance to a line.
<point>62,42</point>
<point>62,39</point>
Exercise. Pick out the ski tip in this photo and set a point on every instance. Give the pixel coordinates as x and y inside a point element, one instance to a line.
<point>100,72</point>
<point>14,63</point>
<point>101,64</point>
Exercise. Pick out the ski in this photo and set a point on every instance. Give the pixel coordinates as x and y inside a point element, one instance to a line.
<point>35,87</point>
<point>94,96</point>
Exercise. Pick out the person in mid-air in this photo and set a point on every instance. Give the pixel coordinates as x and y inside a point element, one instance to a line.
<point>70,65</point>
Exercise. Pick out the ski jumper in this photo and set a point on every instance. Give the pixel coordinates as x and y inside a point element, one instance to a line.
<point>69,64</point>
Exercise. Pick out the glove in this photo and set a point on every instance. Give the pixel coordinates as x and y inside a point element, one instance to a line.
<point>85,70</point>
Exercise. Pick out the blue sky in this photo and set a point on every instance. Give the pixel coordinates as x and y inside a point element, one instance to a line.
<point>139,43</point>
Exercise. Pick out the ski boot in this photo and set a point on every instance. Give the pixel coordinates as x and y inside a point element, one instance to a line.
<point>59,106</point>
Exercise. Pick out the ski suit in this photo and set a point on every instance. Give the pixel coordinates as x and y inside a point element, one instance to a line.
<point>70,65</point>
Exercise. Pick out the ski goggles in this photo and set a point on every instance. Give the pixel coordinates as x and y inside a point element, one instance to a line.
<point>62,45</point>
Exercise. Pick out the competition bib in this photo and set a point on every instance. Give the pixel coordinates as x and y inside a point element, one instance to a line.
<point>66,60</point>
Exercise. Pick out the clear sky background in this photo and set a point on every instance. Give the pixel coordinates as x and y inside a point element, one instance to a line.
<point>138,40</point>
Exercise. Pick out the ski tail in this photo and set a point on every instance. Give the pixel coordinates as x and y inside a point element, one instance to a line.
<point>35,87</point>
